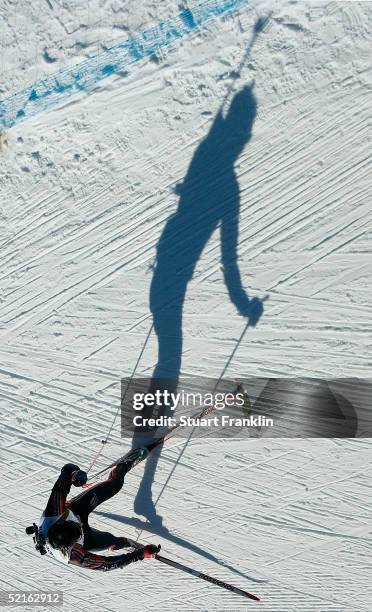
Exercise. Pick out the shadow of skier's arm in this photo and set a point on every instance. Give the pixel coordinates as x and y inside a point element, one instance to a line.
<point>252,308</point>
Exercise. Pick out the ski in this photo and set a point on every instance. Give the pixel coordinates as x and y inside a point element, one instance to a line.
<point>156,442</point>
<point>197,574</point>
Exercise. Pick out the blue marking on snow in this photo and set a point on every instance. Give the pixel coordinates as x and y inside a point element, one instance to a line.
<point>56,88</point>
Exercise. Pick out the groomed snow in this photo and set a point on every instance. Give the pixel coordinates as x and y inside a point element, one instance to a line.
<point>87,188</point>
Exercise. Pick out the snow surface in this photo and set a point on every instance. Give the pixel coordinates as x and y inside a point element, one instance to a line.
<point>87,188</point>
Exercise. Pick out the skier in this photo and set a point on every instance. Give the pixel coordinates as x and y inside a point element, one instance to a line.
<point>64,530</point>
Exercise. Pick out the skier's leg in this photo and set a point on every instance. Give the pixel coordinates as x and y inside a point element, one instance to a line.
<point>89,499</point>
<point>95,540</point>
<point>85,502</point>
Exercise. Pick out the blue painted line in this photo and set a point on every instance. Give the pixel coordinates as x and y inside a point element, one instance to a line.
<point>84,76</point>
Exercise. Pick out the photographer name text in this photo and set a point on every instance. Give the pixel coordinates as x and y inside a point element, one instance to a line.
<point>215,421</point>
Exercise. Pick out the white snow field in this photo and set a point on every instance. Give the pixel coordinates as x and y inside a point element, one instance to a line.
<point>88,184</point>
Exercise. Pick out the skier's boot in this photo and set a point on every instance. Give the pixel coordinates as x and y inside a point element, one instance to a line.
<point>130,460</point>
<point>120,543</point>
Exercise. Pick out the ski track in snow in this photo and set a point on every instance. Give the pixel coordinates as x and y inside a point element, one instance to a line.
<point>87,189</point>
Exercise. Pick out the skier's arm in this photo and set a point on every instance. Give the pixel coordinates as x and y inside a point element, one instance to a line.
<point>57,500</point>
<point>81,557</point>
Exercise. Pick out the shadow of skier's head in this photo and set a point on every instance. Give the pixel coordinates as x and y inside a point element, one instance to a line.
<point>230,133</point>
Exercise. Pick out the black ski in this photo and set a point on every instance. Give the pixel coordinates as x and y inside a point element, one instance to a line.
<point>156,442</point>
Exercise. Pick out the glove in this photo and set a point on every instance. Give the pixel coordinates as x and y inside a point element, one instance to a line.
<point>150,551</point>
<point>139,554</point>
<point>79,478</point>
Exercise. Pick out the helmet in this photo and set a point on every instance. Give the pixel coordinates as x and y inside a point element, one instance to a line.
<point>64,534</point>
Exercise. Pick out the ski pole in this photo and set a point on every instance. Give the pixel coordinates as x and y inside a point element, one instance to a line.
<point>106,439</point>
<point>192,431</point>
<point>197,574</point>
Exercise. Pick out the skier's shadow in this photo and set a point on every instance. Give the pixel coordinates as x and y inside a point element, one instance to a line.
<point>209,199</point>
<point>167,535</point>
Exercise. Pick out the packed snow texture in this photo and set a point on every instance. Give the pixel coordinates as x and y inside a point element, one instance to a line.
<point>88,189</point>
